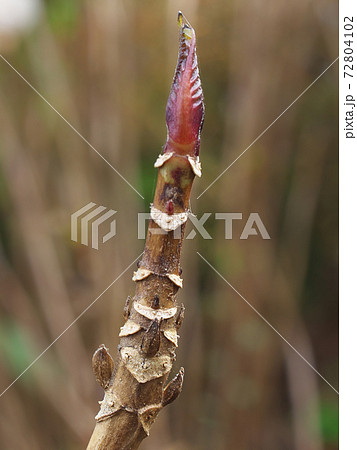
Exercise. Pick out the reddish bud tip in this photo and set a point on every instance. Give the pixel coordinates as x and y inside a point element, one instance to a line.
<point>169,207</point>
<point>185,108</point>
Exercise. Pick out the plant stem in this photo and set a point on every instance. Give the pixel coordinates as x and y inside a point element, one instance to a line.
<point>134,386</point>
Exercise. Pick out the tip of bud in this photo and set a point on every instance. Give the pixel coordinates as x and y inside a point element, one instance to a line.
<point>185,25</point>
<point>185,108</point>
<point>180,19</point>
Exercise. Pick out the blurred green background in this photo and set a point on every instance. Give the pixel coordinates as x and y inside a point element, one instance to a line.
<point>107,66</point>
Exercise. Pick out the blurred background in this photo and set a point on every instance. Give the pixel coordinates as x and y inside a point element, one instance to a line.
<point>107,67</point>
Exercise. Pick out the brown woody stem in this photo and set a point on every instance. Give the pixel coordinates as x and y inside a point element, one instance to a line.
<point>136,390</point>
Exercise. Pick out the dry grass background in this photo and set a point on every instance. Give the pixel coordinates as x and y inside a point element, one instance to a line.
<point>107,67</point>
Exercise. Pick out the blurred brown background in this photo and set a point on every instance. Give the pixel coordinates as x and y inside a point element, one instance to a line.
<point>107,67</point>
